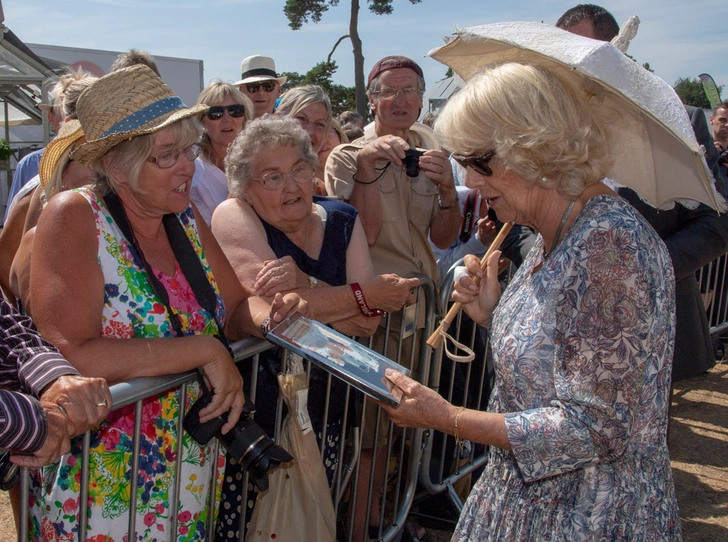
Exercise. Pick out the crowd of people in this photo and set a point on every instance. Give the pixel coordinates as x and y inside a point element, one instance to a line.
<point>148,234</point>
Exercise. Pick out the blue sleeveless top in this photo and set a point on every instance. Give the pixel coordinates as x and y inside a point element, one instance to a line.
<point>330,267</point>
<point>331,264</point>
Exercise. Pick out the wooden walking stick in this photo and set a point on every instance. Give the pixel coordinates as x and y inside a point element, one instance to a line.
<point>436,338</point>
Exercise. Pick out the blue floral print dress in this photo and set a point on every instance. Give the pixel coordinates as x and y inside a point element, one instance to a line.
<point>132,310</point>
<point>582,349</point>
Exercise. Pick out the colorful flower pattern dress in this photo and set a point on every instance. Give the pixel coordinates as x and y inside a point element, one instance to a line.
<point>582,350</point>
<point>132,310</point>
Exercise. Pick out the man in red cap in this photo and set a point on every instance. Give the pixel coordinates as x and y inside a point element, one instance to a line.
<point>398,211</point>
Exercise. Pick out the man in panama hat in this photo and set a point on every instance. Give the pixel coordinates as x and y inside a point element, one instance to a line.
<point>260,82</point>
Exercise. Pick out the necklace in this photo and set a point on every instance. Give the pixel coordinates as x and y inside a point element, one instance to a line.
<point>305,235</point>
<point>558,230</point>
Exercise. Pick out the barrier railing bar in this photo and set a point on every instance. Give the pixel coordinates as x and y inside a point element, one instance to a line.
<point>134,475</point>
<point>211,519</point>
<point>24,482</point>
<point>178,465</point>
<point>83,494</point>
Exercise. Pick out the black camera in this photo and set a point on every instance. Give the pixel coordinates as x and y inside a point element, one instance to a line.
<point>412,162</point>
<point>247,442</point>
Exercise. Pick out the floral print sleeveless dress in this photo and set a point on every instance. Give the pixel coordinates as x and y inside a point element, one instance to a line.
<point>132,310</point>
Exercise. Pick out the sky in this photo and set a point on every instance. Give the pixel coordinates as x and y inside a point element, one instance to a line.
<point>677,38</point>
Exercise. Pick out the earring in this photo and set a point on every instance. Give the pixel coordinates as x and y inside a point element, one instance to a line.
<point>544,179</point>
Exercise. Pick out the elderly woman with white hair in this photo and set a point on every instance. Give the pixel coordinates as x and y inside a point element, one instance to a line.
<point>582,337</point>
<point>229,110</point>
<point>128,282</point>
<point>280,238</point>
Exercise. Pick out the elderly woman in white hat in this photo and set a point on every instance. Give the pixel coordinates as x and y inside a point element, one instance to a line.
<point>118,268</point>
<point>260,82</point>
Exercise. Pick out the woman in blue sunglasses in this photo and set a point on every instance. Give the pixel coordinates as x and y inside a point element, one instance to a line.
<point>229,110</point>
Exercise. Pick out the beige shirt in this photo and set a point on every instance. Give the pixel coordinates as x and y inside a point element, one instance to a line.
<point>408,206</point>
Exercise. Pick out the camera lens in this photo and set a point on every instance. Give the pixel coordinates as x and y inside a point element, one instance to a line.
<point>254,450</point>
<point>247,442</point>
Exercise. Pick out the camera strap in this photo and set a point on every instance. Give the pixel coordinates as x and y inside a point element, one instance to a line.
<point>186,258</point>
<point>466,230</point>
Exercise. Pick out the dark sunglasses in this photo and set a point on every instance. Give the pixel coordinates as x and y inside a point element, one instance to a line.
<point>479,164</point>
<point>268,86</point>
<point>216,112</point>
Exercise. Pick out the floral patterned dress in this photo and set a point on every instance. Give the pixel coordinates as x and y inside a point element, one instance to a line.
<point>132,310</point>
<point>582,350</point>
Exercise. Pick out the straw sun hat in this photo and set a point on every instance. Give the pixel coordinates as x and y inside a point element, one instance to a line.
<point>124,104</point>
<point>70,133</point>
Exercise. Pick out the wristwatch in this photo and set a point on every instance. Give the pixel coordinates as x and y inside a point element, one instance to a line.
<point>312,282</point>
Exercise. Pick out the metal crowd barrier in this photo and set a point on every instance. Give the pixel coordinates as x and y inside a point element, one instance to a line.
<point>714,289</point>
<point>403,447</point>
<point>444,468</point>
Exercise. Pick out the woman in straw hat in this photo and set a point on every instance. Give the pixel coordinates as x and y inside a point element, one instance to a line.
<point>582,338</point>
<point>229,111</point>
<point>117,268</point>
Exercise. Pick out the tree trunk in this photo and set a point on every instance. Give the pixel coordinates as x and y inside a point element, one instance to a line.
<point>361,97</point>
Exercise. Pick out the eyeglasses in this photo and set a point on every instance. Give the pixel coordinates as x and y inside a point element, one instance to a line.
<point>479,164</point>
<point>389,94</point>
<point>302,174</point>
<point>168,159</point>
<point>216,112</point>
<point>268,86</point>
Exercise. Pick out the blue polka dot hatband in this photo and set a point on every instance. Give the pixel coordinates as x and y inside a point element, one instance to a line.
<point>124,104</point>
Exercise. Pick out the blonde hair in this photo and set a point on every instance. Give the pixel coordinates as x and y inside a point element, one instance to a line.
<point>213,94</point>
<point>72,92</point>
<point>538,125</point>
<point>55,183</point>
<point>297,99</point>
<point>129,156</point>
<point>58,92</point>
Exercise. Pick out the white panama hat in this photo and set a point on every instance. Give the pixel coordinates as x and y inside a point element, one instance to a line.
<point>259,68</point>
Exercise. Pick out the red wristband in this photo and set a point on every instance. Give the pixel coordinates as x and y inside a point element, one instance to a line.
<point>363,307</point>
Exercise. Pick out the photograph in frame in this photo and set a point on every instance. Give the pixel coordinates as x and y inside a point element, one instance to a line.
<point>345,358</point>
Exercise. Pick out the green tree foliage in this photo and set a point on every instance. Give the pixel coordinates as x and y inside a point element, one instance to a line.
<point>691,92</point>
<point>300,12</point>
<point>342,98</point>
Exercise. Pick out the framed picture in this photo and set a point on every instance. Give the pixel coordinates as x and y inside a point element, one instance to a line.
<point>347,359</point>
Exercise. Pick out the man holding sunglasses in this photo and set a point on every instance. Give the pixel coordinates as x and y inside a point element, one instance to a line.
<point>260,82</point>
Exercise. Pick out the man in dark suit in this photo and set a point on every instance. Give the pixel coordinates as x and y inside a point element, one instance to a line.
<point>694,237</point>
<point>719,123</point>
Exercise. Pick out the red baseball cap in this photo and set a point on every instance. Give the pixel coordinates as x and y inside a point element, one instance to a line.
<point>391,63</point>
